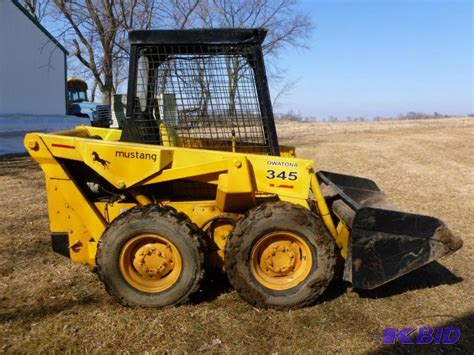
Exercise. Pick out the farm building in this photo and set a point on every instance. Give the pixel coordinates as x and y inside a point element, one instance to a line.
<point>32,79</point>
<point>32,65</point>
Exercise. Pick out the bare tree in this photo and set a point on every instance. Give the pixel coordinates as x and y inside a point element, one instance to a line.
<point>37,8</point>
<point>283,90</point>
<point>93,30</point>
<point>96,31</point>
<point>287,28</point>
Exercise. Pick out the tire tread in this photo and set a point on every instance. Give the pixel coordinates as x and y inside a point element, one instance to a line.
<point>301,216</point>
<point>173,216</point>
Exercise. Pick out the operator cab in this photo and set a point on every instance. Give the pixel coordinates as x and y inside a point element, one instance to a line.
<point>200,88</point>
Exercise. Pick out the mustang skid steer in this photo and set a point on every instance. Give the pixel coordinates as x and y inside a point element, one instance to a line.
<point>196,180</point>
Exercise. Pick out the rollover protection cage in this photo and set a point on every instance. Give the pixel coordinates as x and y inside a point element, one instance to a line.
<point>203,88</point>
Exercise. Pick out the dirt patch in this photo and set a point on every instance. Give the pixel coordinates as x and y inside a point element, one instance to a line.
<point>50,304</point>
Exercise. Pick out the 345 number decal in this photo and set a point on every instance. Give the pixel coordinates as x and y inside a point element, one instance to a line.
<point>284,175</point>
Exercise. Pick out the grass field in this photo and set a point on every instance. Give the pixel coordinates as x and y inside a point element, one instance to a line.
<point>49,304</point>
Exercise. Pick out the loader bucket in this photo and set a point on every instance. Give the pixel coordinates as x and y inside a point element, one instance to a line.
<point>384,243</point>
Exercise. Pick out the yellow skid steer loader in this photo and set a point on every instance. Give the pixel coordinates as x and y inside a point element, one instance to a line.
<point>196,180</point>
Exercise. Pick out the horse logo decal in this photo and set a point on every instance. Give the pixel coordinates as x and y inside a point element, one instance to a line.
<point>97,158</point>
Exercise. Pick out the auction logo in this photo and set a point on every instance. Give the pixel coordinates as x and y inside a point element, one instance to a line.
<point>425,335</point>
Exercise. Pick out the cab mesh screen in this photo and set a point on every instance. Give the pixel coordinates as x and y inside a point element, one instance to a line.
<point>196,97</point>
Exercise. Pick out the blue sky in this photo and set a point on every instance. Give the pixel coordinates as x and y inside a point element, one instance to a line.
<point>383,57</point>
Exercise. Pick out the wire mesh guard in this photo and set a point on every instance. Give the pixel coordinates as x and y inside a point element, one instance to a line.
<point>196,97</point>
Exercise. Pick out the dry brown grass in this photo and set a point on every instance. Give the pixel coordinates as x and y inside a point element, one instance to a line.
<point>50,304</point>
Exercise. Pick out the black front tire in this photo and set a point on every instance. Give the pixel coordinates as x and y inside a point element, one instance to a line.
<point>268,218</point>
<point>163,221</point>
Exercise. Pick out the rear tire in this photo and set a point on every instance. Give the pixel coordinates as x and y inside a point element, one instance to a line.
<point>280,255</point>
<point>151,256</point>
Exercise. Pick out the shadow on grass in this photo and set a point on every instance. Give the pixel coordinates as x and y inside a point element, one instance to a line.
<point>13,156</point>
<point>217,284</point>
<point>24,251</point>
<point>335,290</point>
<point>465,345</point>
<point>431,275</point>
<point>213,286</point>
<point>14,165</point>
<point>38,312</point>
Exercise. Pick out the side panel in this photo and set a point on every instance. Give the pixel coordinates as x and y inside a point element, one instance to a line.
<point>125,165</point>
<point>289,178</point>
<point>239,179</point>
<point>69,210</point>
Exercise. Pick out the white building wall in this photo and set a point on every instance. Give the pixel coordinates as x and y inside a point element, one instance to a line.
<point>32,67</point>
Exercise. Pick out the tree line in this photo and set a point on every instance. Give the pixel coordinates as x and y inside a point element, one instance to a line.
<point>293,116</point>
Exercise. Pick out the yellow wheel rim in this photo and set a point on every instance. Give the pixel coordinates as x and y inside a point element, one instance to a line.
<point>150,263</point>
<point>281,260</point>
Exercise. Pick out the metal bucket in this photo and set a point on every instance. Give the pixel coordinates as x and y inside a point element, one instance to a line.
<point>384,243</point>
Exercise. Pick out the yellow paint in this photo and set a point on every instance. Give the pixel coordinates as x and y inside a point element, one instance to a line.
<point>150,263</point>
<point>76,84</point>
<point>168,139</point>
<point>68,209</point>
<point>241,181</point>
<point>220,234</point>
<point>322,206</point>
<point>287,151</point>
<point>110,211</point>
<point>235,189</point>
<point>202,213</point>
<point>342,239</point>
<point>281,260</point>
<point>140,197</point>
